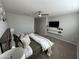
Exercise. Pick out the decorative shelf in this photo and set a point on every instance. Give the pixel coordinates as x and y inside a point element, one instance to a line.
<point>54,31</point>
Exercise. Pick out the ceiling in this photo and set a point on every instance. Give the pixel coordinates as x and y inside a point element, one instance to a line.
<point>52,7</point>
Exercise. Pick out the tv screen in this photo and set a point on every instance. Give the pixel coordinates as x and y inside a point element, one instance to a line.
<point>54,24</point>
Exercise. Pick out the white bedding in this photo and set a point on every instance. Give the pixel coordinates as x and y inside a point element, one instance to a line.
<point>44,42</point>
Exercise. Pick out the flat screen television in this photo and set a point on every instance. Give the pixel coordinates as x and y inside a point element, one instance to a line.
<point>54,24</point>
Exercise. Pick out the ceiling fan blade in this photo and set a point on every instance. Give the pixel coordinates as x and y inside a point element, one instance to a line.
<point>37,13</point>
<point>40,14</point>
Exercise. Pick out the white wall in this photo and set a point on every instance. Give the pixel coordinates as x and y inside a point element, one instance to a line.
<point>69,23</point>
<point>20,23</point>
<point>78,42</point>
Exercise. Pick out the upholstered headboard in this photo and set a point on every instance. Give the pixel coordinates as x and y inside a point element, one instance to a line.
<point>5,40</point>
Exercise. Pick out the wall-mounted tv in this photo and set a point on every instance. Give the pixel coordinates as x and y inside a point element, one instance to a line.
<point>54,24</point>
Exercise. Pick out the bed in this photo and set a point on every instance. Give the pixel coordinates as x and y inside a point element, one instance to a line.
<point>34,45</point>
<point>37,49</point>
<point>5,43</point>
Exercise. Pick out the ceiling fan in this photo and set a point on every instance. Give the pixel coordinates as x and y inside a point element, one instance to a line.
<point>40,14</point>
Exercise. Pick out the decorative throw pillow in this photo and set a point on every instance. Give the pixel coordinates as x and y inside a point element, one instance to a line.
<point>25,40</point>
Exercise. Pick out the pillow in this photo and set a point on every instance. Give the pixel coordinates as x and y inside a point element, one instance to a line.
<point>25,40</point>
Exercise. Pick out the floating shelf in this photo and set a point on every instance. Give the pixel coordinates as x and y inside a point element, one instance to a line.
<point>54,31</point>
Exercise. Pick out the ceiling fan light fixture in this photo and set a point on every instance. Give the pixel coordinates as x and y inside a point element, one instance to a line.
<point>40,15</point>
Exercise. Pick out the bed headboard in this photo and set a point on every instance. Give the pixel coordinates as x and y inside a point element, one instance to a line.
<point>5,41</point>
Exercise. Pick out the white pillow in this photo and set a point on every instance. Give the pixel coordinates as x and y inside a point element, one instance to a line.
<point>26,41</point>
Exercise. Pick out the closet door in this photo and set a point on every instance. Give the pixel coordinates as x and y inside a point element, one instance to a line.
<point>40,25</point>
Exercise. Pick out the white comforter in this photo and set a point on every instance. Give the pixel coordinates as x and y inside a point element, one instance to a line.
<point>44,42</point>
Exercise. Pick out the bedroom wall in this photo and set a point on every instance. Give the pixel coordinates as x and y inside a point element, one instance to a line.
<point>78,42</point>
<point>21,23</point>
<point>69,23</point>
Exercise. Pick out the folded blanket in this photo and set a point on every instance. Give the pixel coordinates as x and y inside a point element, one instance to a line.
<point>44,42</point>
